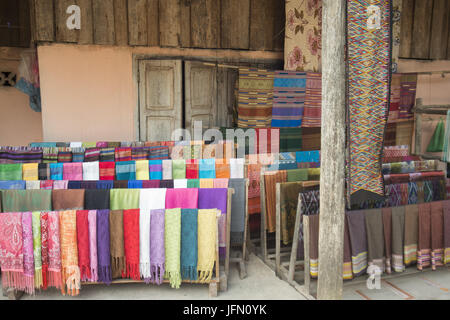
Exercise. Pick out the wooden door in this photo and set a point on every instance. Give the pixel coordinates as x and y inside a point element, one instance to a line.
<point>160,106</point>
<point>200,94</point>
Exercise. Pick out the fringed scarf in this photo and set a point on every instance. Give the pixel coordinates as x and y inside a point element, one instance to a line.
<point>172,245</point>
<point>207,237</point>
<point>28,254</point>
<point>69,252</point>
<point>387,231</point>
<point>398,227</point>
<point>131,243</point>
<point>437,235</point>
<point>103,247</point>
<point>157,246</point>
<point>446,213</point>
<point>54,253</point>
<point>189,248</point>
<point>36,218</point>
<point>83,245</point>
<point>11,253</point>
<point>44,249</point>
<point>424,239</point>
<point>92,221</point>
<point>116,228</point>
<point>144,243</point>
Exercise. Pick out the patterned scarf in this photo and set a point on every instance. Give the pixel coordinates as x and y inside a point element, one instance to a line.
<point>56,171</point>
<point>83,244</point>
<point>54,253</point>
<point>69,252</point>
<point>30,171</point>
<point>424,239</point>
<point>358,240</point>
<point>157,246</point>
<point>172,245</point>
<point>44,249</point>
<point>270,180</point>
<point>123,154</point>
<point>116,232</point>
<point>126,170</point>
<point>92,155</point>
<point>189,249</point>
<point>207,237</point>
<point>131,243</point>
<point>192,171</point>
<point>92,221</point>
<point>103,247</point>
<point>107,170</point>
<point>28,254</point>
<point>36,220</point>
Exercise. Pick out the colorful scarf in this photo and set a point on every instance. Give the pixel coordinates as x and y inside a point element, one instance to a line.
<point>73,171</point>
<point>314,221</point>
<point>180,183</point>
<point>207,237</point>
<point>369,75</point>
<point>28,251</point>
<point>270,181</point>
<point>117,246</point>
<point>54,253</point>
<point>56,171</point>
<point>158,153</point>
<point>313,100</point>
<point>107,155</point>
<point>50,154</point>
<point>131,243</point>
<point>43,171</point>
<point>151,184</point>
<point>46,185</point>
<point>358,240</point>
<point>123,154</point>
<point>216,199</point>
<point>11,171</point>
<point>30,171</point>
<point>254,199</point>
<point>437,235</point>
<point>142,170</point>
<point>12,185</point>
<point>222,169</point>
<point>192,169</point>
<point>411,234</point>
<point>178,169</point>
<point>60,184</point>
<point>167,169</point>
<point>77,154</point>
<point>221,183</point>
<point>126,170</point>
<point>103,247</point>
<point>424,239</point>
<point>107,170</point>
<point>68,199</point>
<point>192,183</point>
<point>288,209</point>
<point>407,95</point>
<point>92,225</point>
<point>172,244</point>
<point>139,153</point>
<point>189,249</point>
<point>69,252</point>
<point>157,252</point>
<point>207,169</point>
<point>36,222</point>
<point>26,200</point>
<point>83,245</point>
<point>92,155</point>
<point>289,89</point>
<point>155,168</point>
<point>347,267</point>
<point>44,248</point>
<point>182,198</point>
<point>206,183</point>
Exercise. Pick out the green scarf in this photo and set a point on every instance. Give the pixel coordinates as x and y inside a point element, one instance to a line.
<point>193,183</point>
<point>297,175</point>
<point>36,218</point>
<point>124,199</point>
<point>26,200</point>
<point>172,245</point>
<point>179,169</point>
<point>437,140</point>
<point>11,171</point>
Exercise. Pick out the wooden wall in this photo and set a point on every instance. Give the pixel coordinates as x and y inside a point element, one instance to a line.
<point>225,24</point>
<point>425,28</point>
<point>15,23</point>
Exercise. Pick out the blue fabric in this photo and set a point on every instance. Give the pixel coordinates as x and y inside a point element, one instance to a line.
<point>207,169</point>
<point>126,170</point>
<point>135,184</point>
<point>56,171</point>
<point>12,185</point>
<point>189,248</point>
<point>290,83</point>
<point>155,169</point>
<point>43,145</point>
<point>33,92</point>
<point>286,123</point>
<point>74,184</point>
<point>107,184</point>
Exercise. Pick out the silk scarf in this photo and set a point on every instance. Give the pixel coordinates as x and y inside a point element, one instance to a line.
<point>157,246</point>
<point>131,243</point>
<point>116,231</point>
<point>69,253</point>
<point>207,237</point>
<point>84,254</point>
<point>103,247</point>
<point>172,245</point>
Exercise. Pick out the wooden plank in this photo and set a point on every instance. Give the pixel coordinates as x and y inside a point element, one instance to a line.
<point>103,11</point>
<point>235,24</point>
<point>9,24</point>
<point>86,34</point>
<point>420,48</point>
<point>279,10</point>
<point>439,29</point>
<point>153,23</point>
<point>332,175</point>
<point>169,23</point>
<point>185,22</point>
<point>24,23</point>
<point>267,24</point>
<point>205,24</point>
<point>263,231</point>
<point>64,34</point>
<point>293,260</point>
<point>407,19</point>
<point>45,29</point>
<point>121,22</point>
<point>137,22</point>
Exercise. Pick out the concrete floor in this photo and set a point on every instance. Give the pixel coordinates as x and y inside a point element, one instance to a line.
<point>261,284</point>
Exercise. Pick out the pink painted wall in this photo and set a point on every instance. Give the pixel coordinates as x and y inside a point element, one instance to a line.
<point>87,93</point>
<point>19,125</point>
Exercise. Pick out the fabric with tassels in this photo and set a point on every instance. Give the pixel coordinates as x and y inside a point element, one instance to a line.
<point>83,245</point>
<point>92,222</point>
<point>103,247</point>
<point>69,252</point>
<point>54,251</point>
<point>157,249</point>
<point>36,218</point>
<point>131,243</point>
<point>28,255</point>
<point>44,249</point>
<point>172,244</point>
<point>189,249</point>
<point>207,235</point>
<point>117,244</point>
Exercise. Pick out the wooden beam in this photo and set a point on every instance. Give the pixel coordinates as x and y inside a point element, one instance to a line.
<point>24,23</point>
<point>86,34</point>
<point>45,22</point>
<point>153,23</point>
<point>406,27</point>
<point>64,34</point>
<point>421,36</point>
<point>235,24</point>
<point>137,22</point>
<point>103,11</point>
<point>439,29</point>
<point>185,22</point>
<point>332,175</point>
<point>169,23</point>
<point>205,24</point>
<point>121,22</point>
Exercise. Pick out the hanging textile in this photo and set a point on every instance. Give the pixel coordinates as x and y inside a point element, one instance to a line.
<point>50,155</point>
<point>375,239</point>
<point>387,232</point>
<point>237,168</point>
<point>155,168</point>
<point>91,171</point>
<point>103,247</point>
<point>288,209</point>
<point>44,248</point>
<point>179,169</point>
<point>394,105</point>
<point>167,169</point>
<point>207,168</point>
<point>26,200</point>
<point>189,246</point>
<point>69,253</point>
<point>424,238</point>
<point>158,153</point>
<point>120,184</point>
<point>108,184</point>
<point>157,251</point>
<point>139,153</point>
<point>221,183</point>
<point>290,139</point>
<point>347,267</point>
<point>30,171</point>
<point>396,27</point>
<point>168,184</point>
<point>116,232</point>
<point>254,198</point>
<point>135,184</point>
<point>437,235</point>
<point>151,184</point>
<point>64,154</point>
<point>411,234</point>
<point>207,226</point>
<point>123,154</point>
<point>32,185</point>
<point>182,198</point>
<point>407,95</point>
<point>192,170</point>
<point>180,183</point>
<point>43,171</point>
<point>54,251</point>
<point>28,251</point>
<point>270,181</point>
<point>68,199</point>
<point>36,222</point>
<point>92,155</point>
<point>82,228</point>
<point>142,170</point>
<point>92,222</point>
<point>74,185</point>
<point>437,140</point>
<point>313,100</point>
<point>358,241</point>
<point>446,154</point>
<point>124,199</point>
<point>303,39</point>
<point>77,154</point>
<point>446,214</point>
<point>56,171</point>
<point>206,183</point>
<point>10,171</point>
<point>131,243</point>
<point>222,169</point>
<point>369,79</point>
<point>107,155</point>
<point>288,98</point>
<point>12,185</point>
<point>398,227</point>
<point>238,210</point>
<point>144,242</point>
<point>255,98</point>
<point>126,170</point>
<point>172,244</point>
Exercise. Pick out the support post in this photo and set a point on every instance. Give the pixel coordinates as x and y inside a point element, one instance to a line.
<point>332,175</point>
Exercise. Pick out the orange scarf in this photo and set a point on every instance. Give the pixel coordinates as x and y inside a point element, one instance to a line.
<point>69,252</point>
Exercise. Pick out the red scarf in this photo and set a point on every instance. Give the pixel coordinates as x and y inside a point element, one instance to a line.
<point>84,261</point>
<point>107,170</point>
<point>44,249</point>
<point>191,169</point>
<point>131,242</point>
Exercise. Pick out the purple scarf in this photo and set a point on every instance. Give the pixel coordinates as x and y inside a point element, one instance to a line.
<point>28,253</point>
<point>103,250</point>
<point>92,218</point>
<point>157,253</point>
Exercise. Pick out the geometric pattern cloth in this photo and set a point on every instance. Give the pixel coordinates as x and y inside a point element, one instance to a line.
<point>255,98</point>
<point>369,33</point>
<point>288,98</point>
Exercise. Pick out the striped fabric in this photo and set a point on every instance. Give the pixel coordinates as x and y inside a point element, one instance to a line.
<point>77,154</point>
<point>139,153</point>
<point>158,153</point>
<point>288,98</point>
<point>107,170</point>
<point>255,98</point>
<point>407,95</point>
<point>123,154</point>
<point>155,169</point>
<point>64,154</point>
<point>92,155</point>
<point>50,155</point>
<point>20,155</point>
<point>192,171</point>
<point>313,100</point>
<point>107,154</point>
<point>126,170</point>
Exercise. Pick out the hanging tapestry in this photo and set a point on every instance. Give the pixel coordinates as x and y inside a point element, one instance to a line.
<point>407,95</point>
<point>288,98</point>
<point>255,98</point>
<point>368,89</point>
<point>304,28</point>
<point>394,105</point>
<point>313,100</point>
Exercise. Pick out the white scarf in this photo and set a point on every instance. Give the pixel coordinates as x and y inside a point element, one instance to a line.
<point>167,169</point>
<point>180,184</point>
<point>237,168</point>
<point>91,171</point>
<point>33,185</point>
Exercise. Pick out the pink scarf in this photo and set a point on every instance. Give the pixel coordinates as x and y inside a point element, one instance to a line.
<point>28,253</point>
<point>73,171</point>
<point>92,217</point>
<point>54,251</point>
<point>221,183</point>
<point>182,198</point>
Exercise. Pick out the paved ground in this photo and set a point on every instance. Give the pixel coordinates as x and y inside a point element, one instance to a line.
<point>261,284</point>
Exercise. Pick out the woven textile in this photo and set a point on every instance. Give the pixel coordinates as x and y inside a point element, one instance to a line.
<point>54,251</point>
<point>207,168</point>
<point>313,100</point>
<point>167,169</point>
<point>387,232</point>
<point>288,98</point>
<point>358,239</point>
<point>375,239</point>
<point>116,231</point>
<point>207,235</point>
<point>215,199</point>
<point>155,168</point>
<point>103,247</point>
<point>92,223</point>
<point>189,247</point>
<point>424,238</point>
<point>124,199</point>
<point>70,271</point>
<point>142,170</point>
<point>26,200</point>
<point>73,171</point>
<point>172,244</point>
<point>290,139</point>
<point>107,155</point>
<point>182,198</point>
<point>446,214</point>
<point>68,199</point>
<point>407,95</point>
<point>44,248</point>
<point>255,98</point>
<point>10,172</point>
<point>126,170</point>
<point>56,171</point>
<point>192,170</point>
<point>84,259</point>
<point>411,234</point>
<point>30,171</point>
<point>91,171</point>
<point>368,89</point>
<point>92,154</point>
<point>157,252</point>
<point>394,106</point>
<point>131,243</point>
<point>36,222</point>
<point>43,171</point>
<point>123,154</point>
<point>107,170</point>
<point>158,153</point>
<point>77,154</point>
<point>12,185</point>
<point>270,181</point>
<point>179,169</point>
<point>396,27</point>
<point>437,235</point>
<point>64,154</point>
<point>288,209</point>
<point>303,38</point>
<point>139,153</point>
